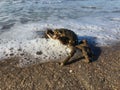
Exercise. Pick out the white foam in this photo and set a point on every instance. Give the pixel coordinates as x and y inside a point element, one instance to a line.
<point>115,19</point>
<point>27,41</point>
<point>34,51</point>
<point>100,34</point>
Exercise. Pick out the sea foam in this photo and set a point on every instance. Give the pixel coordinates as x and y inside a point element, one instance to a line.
<point>28,43</point>
<point>34,51</point>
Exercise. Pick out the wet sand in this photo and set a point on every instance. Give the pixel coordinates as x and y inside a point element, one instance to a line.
<point>102,74</point>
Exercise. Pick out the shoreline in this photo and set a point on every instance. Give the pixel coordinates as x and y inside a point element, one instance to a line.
<point>100,74</point>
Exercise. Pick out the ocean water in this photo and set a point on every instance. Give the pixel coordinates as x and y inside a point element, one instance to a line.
<point>23,23</point>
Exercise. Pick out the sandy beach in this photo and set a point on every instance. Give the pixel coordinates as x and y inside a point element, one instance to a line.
<point>29,61</point>
<point>102,74</point>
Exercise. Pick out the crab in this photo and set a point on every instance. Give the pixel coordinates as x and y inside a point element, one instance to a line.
<point>69,38</point>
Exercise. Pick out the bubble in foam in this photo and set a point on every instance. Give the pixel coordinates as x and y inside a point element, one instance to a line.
<point>38,52</point>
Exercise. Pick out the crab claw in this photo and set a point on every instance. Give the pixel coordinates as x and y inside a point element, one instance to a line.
<point>49,33</point>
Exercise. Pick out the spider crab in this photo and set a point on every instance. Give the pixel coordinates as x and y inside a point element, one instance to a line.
<point>69,38</point>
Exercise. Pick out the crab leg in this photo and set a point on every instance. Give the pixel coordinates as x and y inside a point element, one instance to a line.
<point>85,51</point>
<point>68,58</point>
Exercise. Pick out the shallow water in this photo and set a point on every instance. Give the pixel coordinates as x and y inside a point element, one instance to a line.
<point>88,18</point>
